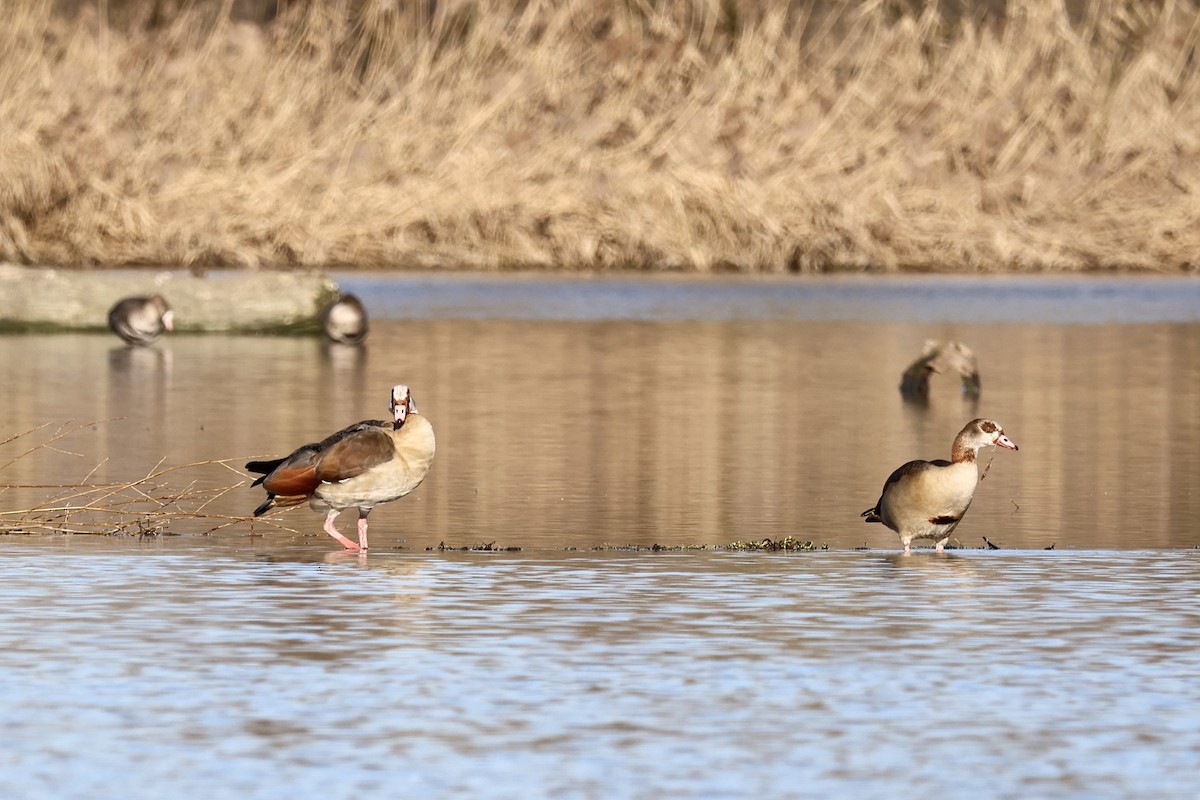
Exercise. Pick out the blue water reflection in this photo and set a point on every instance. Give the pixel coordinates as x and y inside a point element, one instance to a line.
<point>189,668</point>
<point>826,298</point>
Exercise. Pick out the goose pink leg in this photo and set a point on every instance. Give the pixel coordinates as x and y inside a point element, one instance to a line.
<point>362,530</point>
<point>335,533</point>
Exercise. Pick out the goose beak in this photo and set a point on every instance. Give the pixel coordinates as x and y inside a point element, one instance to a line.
<point>1004,441</point>
<point>168,320</point>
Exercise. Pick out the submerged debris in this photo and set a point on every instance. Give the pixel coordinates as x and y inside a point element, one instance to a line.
<point>650,548</point>
<point>478,547</point>
<point>786,544</point>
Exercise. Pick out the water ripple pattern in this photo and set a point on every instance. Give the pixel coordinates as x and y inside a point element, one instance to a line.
<point>192,669</point>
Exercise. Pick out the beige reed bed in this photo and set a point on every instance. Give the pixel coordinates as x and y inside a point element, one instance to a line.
<point>698,135</point>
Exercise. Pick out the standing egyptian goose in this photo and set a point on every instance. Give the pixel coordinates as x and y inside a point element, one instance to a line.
<point>141,320</point>
<point>345,320</point>
<point>927,499</point>
<point>368,463</point>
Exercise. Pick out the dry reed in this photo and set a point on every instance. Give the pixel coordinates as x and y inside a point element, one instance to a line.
<point>597,134</point>
<point>165,500</point>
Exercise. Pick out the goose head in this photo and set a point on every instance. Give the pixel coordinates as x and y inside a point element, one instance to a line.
<point>401,404</point>
<point>165,313</point>
<point>984,433</point>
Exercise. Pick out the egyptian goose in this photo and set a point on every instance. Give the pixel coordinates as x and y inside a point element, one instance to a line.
<point>141,320</point>
<point>939,358</point>
<point>927,499</point>
<point>345,320</point>
<point>368,463</point>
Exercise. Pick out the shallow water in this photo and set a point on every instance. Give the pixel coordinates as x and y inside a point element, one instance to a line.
<point>196,668</point>
<point>555,433</point>
<point>254,661</point>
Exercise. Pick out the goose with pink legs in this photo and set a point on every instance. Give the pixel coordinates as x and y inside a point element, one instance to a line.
<point>927,499</point>
<point>361,466</point>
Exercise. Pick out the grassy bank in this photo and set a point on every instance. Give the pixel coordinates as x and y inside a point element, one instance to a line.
<point>598,135</point>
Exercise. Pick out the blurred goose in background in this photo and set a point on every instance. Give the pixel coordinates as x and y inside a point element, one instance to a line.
<point>141,320</point>
<point>927,499</point>
<point>345,320</point>
<point>951,357</point>
<point>368,463</point>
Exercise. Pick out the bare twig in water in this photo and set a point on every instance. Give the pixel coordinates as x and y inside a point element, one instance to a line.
<point>985,469</point>
<point>148,505</point>
<point>58,435</point>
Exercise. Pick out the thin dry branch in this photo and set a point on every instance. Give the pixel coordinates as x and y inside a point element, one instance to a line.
<point>159,501</point>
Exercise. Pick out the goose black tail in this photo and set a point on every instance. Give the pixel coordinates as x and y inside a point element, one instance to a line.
<point>263,467</point>
<point>267,505</point>
<point>871,514</point>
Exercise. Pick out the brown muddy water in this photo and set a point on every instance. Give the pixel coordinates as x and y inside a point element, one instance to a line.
<point>256,661</point>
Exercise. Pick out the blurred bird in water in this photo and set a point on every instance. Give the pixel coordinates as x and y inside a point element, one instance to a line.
<point>141,320</point>
<point>954,357</point>
<point>345,320</point>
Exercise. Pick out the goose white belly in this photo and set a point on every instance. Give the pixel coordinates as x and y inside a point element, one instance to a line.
<point>928,504</point>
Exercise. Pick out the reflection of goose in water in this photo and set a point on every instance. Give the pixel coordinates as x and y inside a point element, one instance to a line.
<point>141,320</point>
<point>343,359</point>
<point>361,466</point>
<point>954,565</point>
<point>345,320</point>
<point>349,611</point>
<point>140,365</point>
<point>927,499</point>
<point>136,397</point>
<point>951,357</point>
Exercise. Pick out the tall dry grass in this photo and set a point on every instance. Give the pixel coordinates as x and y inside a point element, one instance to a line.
<point>603,134</point>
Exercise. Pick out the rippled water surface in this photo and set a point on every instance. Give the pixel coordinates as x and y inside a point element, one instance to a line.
<point>197,653</point>
<point>197,669</point>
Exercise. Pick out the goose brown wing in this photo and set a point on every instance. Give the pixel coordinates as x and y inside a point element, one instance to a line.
<point>911,468</point>
<point>294,475</point>
<point>351,452</point>
<point>300,474</point>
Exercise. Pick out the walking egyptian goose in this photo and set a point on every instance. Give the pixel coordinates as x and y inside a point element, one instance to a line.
<point>141,320</point>
<point>345,320</point>
<point>927,499</point>
<point>368,463</point>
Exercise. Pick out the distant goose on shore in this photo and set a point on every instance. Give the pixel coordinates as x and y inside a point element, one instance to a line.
<point>927,499</point>
<point>141,320</point>
<point>345,320</point>
<point>368,463</point>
